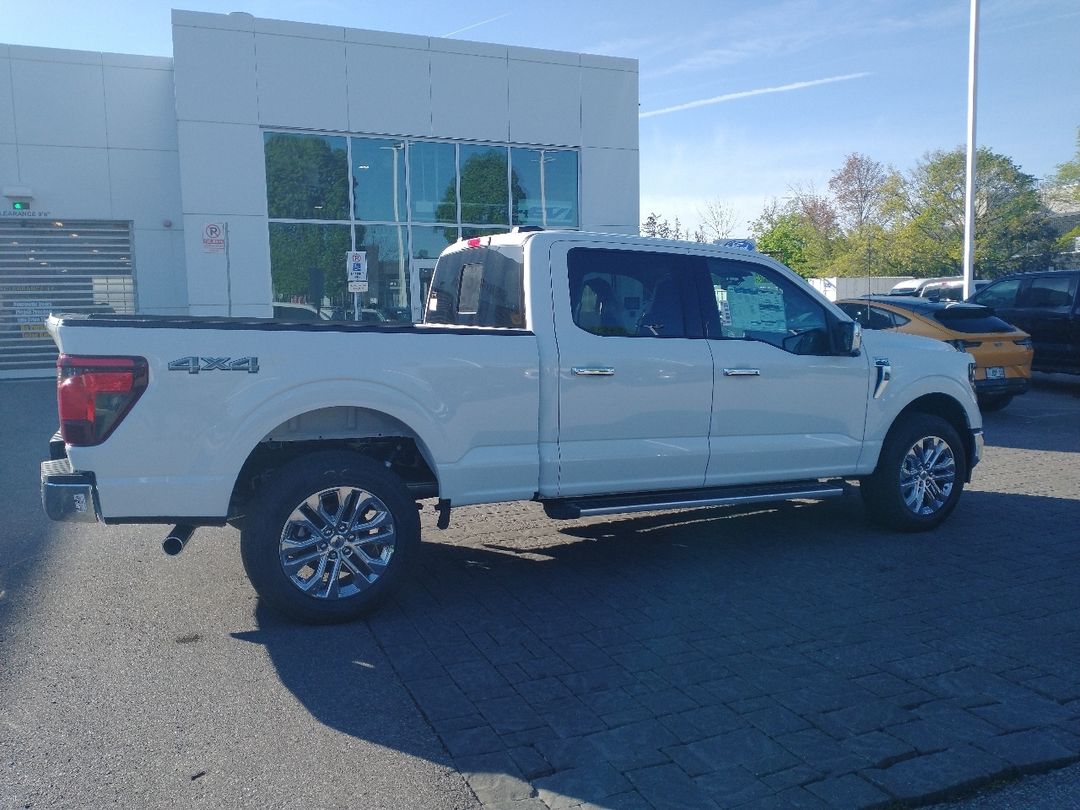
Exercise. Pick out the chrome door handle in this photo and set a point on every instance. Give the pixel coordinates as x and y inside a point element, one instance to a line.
<point>593,371</point>
<point>742,372</point>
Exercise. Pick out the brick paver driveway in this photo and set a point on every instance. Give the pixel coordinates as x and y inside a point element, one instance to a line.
<point>781,657</point>
<point>789,656</point>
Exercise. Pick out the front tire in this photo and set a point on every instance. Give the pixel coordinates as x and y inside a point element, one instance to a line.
<point>919,476</point>
<point>328,537</point>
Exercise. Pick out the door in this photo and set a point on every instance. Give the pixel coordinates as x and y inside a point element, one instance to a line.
<point>1045,311</point>
<point>420,274</point>
<point>785,405</point>
<point>634,372</point>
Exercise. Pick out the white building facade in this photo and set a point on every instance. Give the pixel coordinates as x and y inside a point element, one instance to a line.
<point>234,178</point>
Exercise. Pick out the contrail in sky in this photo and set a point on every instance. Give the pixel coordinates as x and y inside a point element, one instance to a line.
<point>477,25</point>
<point>761,91</point>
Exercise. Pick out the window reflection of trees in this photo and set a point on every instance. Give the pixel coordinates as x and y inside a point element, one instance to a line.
<point>308,262</point>
<point>454,191</point>
<point>484,200</point>
<point>307,177</point>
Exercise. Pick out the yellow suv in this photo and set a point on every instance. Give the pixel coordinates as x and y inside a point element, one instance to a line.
<point>1002,352</point>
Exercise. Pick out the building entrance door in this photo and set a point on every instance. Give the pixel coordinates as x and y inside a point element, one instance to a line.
<point>420,274</point>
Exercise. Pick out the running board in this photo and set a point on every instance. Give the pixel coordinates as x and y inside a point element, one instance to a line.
<point>590,506</point>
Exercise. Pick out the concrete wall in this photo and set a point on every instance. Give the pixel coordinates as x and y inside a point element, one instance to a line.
<point>236,74</point>
<point>93,136</point>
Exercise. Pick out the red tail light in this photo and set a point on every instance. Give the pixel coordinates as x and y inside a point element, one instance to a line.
<point>93,394</point>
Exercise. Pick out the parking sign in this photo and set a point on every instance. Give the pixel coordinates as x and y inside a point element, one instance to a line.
<point>356,270</point>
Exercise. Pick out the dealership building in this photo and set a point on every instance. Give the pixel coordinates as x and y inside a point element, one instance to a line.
<point>235,178</point>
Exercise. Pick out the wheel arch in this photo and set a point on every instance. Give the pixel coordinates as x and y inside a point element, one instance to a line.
<point>947,408</point>
<point>367,431</point>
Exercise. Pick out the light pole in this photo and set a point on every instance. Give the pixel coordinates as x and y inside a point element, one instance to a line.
<point>969,185</point>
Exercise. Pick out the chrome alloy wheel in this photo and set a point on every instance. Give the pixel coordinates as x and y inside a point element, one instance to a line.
<point>337,542</point>
<point>927,474</point>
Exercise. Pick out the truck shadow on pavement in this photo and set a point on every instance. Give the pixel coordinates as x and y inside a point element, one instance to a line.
<point>787,654</point>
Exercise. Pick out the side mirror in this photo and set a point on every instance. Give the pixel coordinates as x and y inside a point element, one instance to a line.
<point>849,337</point>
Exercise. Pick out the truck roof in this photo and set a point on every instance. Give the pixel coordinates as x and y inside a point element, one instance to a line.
<point>524,235</point>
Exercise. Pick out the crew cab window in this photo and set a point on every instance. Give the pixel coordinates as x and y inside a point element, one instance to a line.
<point>755,303</point>
<point>1049,293</point>
<point>1002,294</point>
<point>629,293</point>
<point>478,287</point>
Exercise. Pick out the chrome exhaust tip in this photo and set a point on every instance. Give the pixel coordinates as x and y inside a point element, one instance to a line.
<point>177,540</point>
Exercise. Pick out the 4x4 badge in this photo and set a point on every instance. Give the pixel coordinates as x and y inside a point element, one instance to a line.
<point>193,365</point>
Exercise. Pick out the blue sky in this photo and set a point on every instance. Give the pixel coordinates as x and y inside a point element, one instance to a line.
<point>740,101</point>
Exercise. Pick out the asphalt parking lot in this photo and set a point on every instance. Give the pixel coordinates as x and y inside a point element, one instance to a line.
<point>786,657</point>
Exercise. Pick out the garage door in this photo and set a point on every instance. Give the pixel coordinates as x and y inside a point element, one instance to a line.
<point>57,266</point>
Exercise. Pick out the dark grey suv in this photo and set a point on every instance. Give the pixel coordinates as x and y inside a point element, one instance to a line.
<point>1046,306</point>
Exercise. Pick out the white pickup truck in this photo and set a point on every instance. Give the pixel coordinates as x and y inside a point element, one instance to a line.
<point>594,373</point>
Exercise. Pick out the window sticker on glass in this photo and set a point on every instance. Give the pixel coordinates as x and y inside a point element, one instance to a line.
<point>758,305</point>
<point>722,305</point>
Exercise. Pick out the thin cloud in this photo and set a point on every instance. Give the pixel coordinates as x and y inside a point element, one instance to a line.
<point>476,25</point>
<point>761,91</point>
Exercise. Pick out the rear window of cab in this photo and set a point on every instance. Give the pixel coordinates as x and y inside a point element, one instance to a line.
<point>479,287</point>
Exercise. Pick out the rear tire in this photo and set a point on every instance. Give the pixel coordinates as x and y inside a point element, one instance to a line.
<point>328,537</point>
<point>919,476</point>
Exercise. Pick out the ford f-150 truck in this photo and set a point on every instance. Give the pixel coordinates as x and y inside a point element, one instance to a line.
<point>594,373</point>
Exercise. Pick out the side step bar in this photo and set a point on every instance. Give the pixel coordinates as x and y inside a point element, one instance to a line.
<point>590,506</point>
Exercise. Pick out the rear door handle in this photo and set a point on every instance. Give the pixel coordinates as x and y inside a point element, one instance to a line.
<point>742,372</point>
<point>592,371</point>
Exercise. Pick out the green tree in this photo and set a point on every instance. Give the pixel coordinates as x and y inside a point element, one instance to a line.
<point>800,233</point>
<point>786,239</point>
<point>657,226</point>
<point>1012,229</point>
<point>651,225</point>
<point>1065,182</point>
<point>307,176</point>
<point>1063,195</point>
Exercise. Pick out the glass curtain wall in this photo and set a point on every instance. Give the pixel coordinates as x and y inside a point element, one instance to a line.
<point>401,201</point>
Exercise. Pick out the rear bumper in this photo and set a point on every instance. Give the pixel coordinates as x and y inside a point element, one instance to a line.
<point>68,495</point>
<point>1009,385</point>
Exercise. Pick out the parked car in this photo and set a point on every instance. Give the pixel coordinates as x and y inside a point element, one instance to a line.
<point>1002,352</point>
<point>914,286</point>
<point>594,373</point>
<point>1046,305</point>
<point>950,290</point>
<point>285,311</point>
